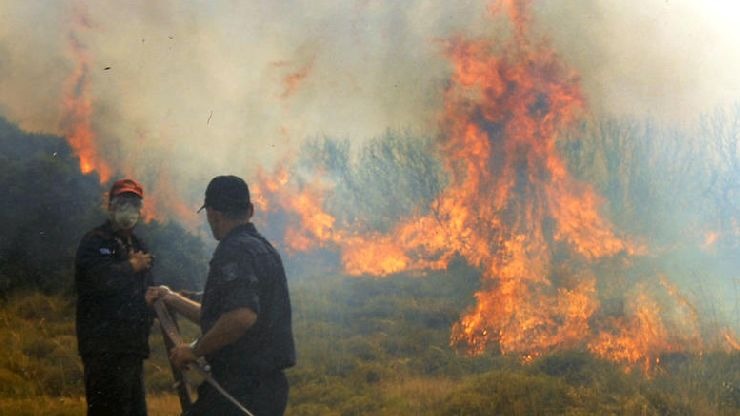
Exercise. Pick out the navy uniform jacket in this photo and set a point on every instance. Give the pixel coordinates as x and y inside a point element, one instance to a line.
<point>112,315</point>
<point>246,271</point>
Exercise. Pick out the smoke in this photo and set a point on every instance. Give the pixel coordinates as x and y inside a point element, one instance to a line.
<point>183,91</point>
<point>670,60</point>
<point>32,70</point>
<point>190,90</point>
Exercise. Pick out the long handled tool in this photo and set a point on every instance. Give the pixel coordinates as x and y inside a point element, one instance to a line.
<point>172,333</point>
<point>180,382</point>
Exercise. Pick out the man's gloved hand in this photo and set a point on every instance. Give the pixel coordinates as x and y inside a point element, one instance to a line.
<point>140,261</point>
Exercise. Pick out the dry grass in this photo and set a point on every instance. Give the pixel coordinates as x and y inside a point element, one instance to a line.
<point>40,371</point>
<point>161,405</point>
<point>42,405</point>
<point>40,374</point>
<point>418,394</point>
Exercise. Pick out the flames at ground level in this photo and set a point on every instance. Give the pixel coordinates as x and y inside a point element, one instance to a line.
<point>510,207</point>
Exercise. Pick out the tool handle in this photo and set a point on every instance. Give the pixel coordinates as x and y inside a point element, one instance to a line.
<point>172,338</point>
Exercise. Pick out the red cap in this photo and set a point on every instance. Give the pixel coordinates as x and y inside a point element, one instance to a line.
<point>124,186</point>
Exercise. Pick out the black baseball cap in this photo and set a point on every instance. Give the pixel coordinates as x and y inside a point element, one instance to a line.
<point>227,194</point>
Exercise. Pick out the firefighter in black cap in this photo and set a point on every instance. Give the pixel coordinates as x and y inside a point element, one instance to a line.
<point>245,314</point>
<point>112,318</point>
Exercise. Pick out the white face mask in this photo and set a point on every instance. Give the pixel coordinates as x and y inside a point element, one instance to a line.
<point>124,216</point>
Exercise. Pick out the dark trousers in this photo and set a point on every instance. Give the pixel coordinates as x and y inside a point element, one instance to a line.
<point>265,395</point>
<point>114,385</point>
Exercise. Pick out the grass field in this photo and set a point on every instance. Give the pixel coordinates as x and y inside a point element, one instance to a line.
<point>384,353</point>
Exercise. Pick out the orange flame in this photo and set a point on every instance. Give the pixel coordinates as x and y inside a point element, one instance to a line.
<point>731,340</point>
<point>293,80</point>
<point>512,209</point>
<point>161,202</point>
<point>76,117</point>
<point>710,238</point>
<point>648,332</point>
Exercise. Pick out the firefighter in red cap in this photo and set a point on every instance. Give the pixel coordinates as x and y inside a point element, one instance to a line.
<point>112,273</point>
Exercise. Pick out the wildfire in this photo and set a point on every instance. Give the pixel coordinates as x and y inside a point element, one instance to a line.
<point>509,207</point>
<point>76,123</point>
<point>161,202</point>
<point>649,331</point>
<point>77,111</point>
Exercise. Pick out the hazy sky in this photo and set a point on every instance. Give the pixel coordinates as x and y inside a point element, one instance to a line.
<point>196,89</point>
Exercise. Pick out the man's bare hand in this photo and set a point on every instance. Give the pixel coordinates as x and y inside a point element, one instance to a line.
<point>140,261</point>
<point>182,355</point>
<point>156,292</point>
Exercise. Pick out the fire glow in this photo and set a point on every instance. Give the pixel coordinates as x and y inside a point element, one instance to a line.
<point>162,202</point>
<point>77,109</point>
<point>511,208</point>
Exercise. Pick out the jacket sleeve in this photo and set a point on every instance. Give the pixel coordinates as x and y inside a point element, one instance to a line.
<point>100,270</point>
<point>235,279</point>
<point>148,275</point>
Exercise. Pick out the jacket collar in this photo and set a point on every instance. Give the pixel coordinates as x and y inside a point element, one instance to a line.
<point>248,227</point>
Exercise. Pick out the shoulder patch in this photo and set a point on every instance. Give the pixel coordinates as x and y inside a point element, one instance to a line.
<point>106,251</point>
<point>230,271</point>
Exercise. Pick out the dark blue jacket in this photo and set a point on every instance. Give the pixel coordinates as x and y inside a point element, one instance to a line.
<point>112,315</point>
<point>246,271</point>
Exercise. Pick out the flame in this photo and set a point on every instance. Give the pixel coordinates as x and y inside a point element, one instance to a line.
<point>648,332</point>
<point>731,340</point>
<point>511,208</point>
<point>162,202</point>
<point>311,223</point>
<point>710,238</point>
<point>639,339</point>
<point>293,80</point>
<point>77,111</point>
